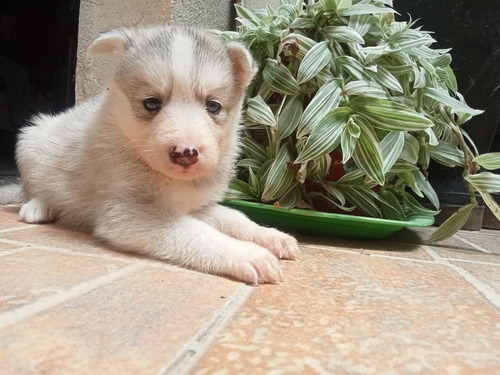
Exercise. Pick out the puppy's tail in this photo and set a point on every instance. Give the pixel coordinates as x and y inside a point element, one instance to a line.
<point>11,191</point>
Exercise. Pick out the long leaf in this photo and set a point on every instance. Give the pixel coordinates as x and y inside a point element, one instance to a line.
<point>452,224</point>
<point>446,154</point>
<point>491,203</point>
<point>289,118</point>
<point>279,77</point>
<point>485,182</point>
<point>363,198</point>
<point>385,78</point>
<point>367,154</point>
<point>258,112</point>
<point>326,99</point>
<point>238,189</point>
<point>443,97</point>
<point>291,197</point>
<point>325,136</point>
<point>489,161</point>
<point>388,115</point>
<point>365,88</point>
<point>391,207</point>
<point>391,147</point>
<point>314,61</point>
<point>343,34</point>
<point>426,188</point>
<point>357,9</point>
<point>279,177</point>
<point>253,149</point>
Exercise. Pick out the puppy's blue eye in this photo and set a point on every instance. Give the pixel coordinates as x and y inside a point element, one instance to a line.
<point>151,104</point>
<point>213,106</point>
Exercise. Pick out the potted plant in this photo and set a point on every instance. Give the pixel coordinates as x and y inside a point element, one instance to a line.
<point>347,111</point>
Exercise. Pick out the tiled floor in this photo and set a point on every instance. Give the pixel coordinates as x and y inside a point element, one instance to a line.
<point>69,305</point>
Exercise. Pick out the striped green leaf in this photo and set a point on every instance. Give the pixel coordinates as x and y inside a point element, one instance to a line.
<point>245,14</point>
<point>391,207</point>
<point>289,117</point>
<point>249,163</point>
<point>349,139</point>
<point>411,149</point>
<point>238,189</point>
<point>446,154</point>
<point>361,23</point>
<point>314,61</point>
<point>258,112</point>
<point>365,88</point>
<point>253,149</point>
<point>326,99</point>
<point>489,161</point>
<point>390,148</point>
<point>485,181</point>
<point>279,78</point>
<point>367,154</point>
<point>253,183</point>
<point>424,185</point>
<point>353,67</point>
<point>385,78</point>
<point>291,197</point>
<point>279,177</point>
<point>415,207</point>
<point>389,115</point>
<point>452,224</point>
<point>363,198</point>
<point>325,136</point>
<point>302,23</point>
<point>443,97</point>
<point>492,204</point>
<point>361,8</point>
<point>343,34</point>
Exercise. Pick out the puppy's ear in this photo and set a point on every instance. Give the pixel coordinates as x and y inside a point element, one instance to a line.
<point>113,41</point>
<point>244,66</point>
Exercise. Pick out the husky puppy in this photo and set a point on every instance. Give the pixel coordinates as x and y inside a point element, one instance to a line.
<point>143,165</point>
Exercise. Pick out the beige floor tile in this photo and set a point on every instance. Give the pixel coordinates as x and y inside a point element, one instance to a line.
<point>487,273</point>
<point>8,217</point>
<point>135,325</point>
<point>5,246</point>
<point>406,250</point>
<point>487,239</point>
<point>345,313</point>
<point>62,237</point>
<point>33,274</point>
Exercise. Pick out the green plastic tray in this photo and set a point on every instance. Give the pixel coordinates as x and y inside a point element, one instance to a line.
<point>314,222</point>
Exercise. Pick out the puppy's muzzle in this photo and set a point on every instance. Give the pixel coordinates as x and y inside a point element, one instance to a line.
<point>187,157</point>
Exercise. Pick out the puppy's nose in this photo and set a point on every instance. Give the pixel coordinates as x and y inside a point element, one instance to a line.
<point>184,156</point>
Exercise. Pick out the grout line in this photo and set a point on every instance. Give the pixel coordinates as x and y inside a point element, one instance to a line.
<point>472,261</point>
<point>15,229</point>
<point>4,253</point>
<point>362,252</point>
<point>477,247</point>
<point>27,311</point>
<point>490,294</point>
<point>194,349</point>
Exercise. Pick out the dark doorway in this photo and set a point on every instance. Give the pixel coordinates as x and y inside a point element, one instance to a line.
<point>38,42</point>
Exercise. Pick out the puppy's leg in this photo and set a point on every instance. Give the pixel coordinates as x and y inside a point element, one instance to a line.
<point>237,225</point>
<point>189,242</point>
<point>35,211</point>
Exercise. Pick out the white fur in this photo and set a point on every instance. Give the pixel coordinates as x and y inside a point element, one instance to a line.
<point>107,164</point>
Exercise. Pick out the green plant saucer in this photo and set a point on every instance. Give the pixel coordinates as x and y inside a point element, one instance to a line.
<point>314,222</point>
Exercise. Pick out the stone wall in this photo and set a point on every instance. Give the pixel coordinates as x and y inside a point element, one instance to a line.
<point>100,15</point>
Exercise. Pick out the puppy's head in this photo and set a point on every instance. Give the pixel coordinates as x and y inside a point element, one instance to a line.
<point>176,96</point>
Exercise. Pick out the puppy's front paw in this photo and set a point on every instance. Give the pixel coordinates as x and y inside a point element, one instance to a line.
<point>35,211</point>
<point>280,244</point>
<point>255,265</point>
